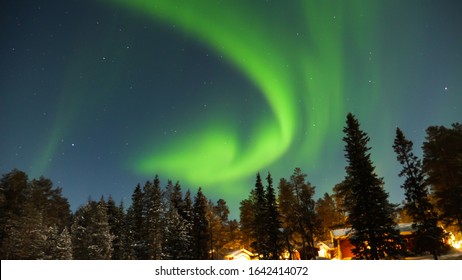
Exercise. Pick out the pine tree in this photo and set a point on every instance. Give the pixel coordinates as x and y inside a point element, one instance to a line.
<point>153,225</point>
<point>274,238</point>
<point>101,248</point>
<point>188,224</point>
<point>260,220</point>
<point>26,235</point>
<point>177,231</point>
<point>13,190</point>
<point>221,212</point>
<point>59,245</point>
<point>168,195</point>
<point>442,163</point>
<point>429,236</point>
<point>341,193</point>
<point>63,249</point>
<point>79,233</point>
<point>49,201</point>
<point>246,222</point>
<point>214,229</point>
<point>91,237</point>
<point>374,232</point>
<point>327,214</point>
<point>217,215</point>
<point>286,201</point>
<point>175,236</point>
<point>200,227</point>
<point>235,237</point>
<point>176,199</point>
<point>32,212</point>
<point>135,222</point>
<point>116,220</point>
<point>304,215</point>
<point>260,211</point>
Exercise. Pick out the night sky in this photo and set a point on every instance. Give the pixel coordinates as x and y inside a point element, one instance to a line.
<point>101,95</point>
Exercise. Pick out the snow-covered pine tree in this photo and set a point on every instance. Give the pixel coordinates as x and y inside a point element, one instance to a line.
<point>136,243</point>
<point>91,237</point>
<point>187,215</point>
<point>116,220</point>
<point>153,225</point>
<point>201,236</point>
<point>175,236</point>
<point>63,246</point>
<point>25,235</point>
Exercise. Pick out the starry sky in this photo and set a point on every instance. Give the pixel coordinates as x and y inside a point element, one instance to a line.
<point>99,95</point>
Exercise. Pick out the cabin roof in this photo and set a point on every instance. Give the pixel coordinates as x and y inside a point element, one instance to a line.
<point>344,232</point>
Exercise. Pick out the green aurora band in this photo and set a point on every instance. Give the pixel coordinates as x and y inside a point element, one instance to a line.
<point>299,71</point>
<point>293,54</point>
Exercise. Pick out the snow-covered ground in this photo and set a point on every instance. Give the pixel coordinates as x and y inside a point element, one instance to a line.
<point>453,254</point>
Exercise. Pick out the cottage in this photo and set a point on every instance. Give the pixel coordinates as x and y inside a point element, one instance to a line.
<point>326,250</point>
<point>241,254</point>
<point>343,246</point>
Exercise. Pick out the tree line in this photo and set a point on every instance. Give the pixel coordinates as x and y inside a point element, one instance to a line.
<point>160,224</point>
<point>293,221</point>
<point>165,222</point>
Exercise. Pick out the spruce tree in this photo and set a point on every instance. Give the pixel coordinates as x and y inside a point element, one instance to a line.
<point>260,220</point>
<point>176,199</point>
<point>374,233</point>
<point>222,236</point>
<point>63,249</point>
<point>201,238</point>
<point>175,236</point>
<point>49,201</point>
<point>341,193</point>
<point>26,236</point>
<point>328,215</point>
<point>153,224</point>
<point>31,214</point>
<point>442,163</point>
<point>246,222</point>
<point>259,223</point>
<point>304,215</point>
<point>187,215</point>
<point>286,201</point>
<point>136,243</point>
<point>116,220</point>
<point>101,237</point>
<point>91,237</point>
<point>217,215</point>
<point>428,236</point>
<point>177,230</point>
<point>274,238</point>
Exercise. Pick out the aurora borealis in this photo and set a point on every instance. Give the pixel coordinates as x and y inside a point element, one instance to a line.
<point>101,95</point>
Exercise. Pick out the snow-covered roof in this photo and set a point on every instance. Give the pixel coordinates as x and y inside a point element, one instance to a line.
<point>405,227</point>
<point>326,244</point>
<point>240,255</point>
<point>342,232</point>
